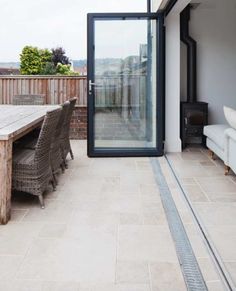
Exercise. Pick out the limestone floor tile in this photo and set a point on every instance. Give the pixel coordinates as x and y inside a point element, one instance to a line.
<point>9,266</point>
<point>149,189</point>
<point>104,170</point>
<point>214,171</point>
<point>60,286</point>
<point>143,165</point>
<point>186,217</point>
<point>19,285</point>
<point>218,184</point>
<point>120,287</point>
<point>224,239</point>
<point>110,184</point>
<point>153,214</point>
<point>55,211</point>
<point>120,203</point>
<point>132,272</point>
<point>208,269</point>
<point>150,197</point>
<point>81,197</point>
<point>137,177</point>
<point>217,213</point>
<point>222,196</point>
<point>15,239</point>
<point>131,218</point>
<point>180,203</point>
<point>231,267</point>
<point>190,156</point>
<point>52,230</point>
<point>189,170</point>
<point>70,260</point>
<point>145,243</point>
<point>207,163</point>
<point>130,188</point>
<point>17,215</point>
<point>86,187</point>
<point>196,241</point>
<point>188,181</point>
<point>95,218</point>
<point>195,193</point>
<point>215,286</point>
<point>166,276</point>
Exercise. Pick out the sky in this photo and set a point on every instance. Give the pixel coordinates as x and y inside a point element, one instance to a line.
<point>52,23</point>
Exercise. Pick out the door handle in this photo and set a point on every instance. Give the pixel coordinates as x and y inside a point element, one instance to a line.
<point>90,86</point>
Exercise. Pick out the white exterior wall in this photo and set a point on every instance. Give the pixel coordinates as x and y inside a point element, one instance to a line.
<point>213,26</point>
<point>155,5</point>
<point>173,78</point>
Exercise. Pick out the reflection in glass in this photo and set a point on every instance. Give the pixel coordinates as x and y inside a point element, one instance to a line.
<point>125,95</point>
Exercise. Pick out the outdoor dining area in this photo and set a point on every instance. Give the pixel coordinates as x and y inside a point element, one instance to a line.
<point>34,144</point>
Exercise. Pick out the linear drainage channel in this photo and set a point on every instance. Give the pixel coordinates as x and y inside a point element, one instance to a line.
<point>188,262</point>
<point>215,256</point>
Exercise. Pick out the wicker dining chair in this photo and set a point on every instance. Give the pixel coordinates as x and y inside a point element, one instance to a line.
<point>57,161</point>
<point>65,135</point>
<point>29,99</point>
<point>32,171</point>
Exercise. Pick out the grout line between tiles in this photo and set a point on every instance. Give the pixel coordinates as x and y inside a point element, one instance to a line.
<point>227,280</point>
<point>188,263</point>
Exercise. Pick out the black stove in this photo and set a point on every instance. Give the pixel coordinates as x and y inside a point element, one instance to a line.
<point>194,114</point>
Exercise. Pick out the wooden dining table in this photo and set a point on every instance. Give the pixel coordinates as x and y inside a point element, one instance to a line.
<point>15,122</point>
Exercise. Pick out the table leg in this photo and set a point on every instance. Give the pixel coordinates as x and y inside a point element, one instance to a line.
<point>5,180</point>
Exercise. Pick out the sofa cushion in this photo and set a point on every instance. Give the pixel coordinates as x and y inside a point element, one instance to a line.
<point>216,133</point>
<point>230,116</point>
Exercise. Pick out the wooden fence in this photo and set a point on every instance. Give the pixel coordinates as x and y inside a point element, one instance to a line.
<point>57,89</point>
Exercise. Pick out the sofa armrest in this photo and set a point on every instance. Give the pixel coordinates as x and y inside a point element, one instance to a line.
<point>229,133</point>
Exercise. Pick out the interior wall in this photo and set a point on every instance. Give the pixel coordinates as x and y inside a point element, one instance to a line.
<point>213,26</point>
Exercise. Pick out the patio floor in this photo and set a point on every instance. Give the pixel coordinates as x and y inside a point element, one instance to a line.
<point>213,196</point>
<point>105,229</point>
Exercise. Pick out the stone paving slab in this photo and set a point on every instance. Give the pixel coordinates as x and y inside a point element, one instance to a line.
<point>103,229</point>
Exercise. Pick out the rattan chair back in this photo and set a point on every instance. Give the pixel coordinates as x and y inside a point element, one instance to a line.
<point>62,120</point>
<point>69,115</point>
<point>65,134</point>
<point>29,99</point>
<point>42,149</point>
<point>56,153</point>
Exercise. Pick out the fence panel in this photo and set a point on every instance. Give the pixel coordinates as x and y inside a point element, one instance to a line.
<point>57,89</point>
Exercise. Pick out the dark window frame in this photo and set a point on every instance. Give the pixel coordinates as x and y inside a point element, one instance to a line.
<point>127,152</point>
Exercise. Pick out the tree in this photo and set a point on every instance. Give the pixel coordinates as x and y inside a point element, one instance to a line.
<point>46,59</point>
<point>34,61</point>
<point>30,61</point>
<point>49,69</point>
<point>58,56</point>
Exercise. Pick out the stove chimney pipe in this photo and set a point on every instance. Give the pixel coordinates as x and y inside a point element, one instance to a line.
<point>191,55</point>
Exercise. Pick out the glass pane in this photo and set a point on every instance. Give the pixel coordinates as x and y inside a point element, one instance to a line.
<point>125,91</point>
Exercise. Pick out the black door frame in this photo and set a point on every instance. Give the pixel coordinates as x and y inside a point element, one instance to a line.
<point>160,91</point>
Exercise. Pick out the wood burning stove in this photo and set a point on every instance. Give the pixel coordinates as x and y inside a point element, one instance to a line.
<point>194,115</point>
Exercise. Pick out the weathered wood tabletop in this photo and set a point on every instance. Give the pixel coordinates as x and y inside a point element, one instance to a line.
<point>15,121</point>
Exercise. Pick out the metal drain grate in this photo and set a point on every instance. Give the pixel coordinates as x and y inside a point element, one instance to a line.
<point>188,262</point>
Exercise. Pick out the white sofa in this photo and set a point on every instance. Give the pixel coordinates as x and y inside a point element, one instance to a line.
<point>221,140</point>
<point>230,150</point>
<point>216,141</point>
